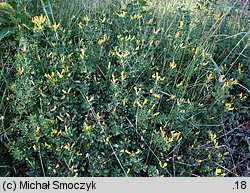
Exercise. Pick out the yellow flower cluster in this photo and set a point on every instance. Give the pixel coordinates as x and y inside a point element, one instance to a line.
<point>20,70</point>
<point>121,14</point>
<point>240,70</point>
<point>126,38</point>
<point>155,94</point>
<point>150,21</point>
<point>218,172</point>
<point>55,26</point>
<point>229,106</point>
<point>123,75</point>
<point>60,132</point>
<point>67,146</point>
<point>103,40</point>
<point>136,16</point>
<point>173,64</point>
<point>137,102</point>
<point>210,76</point>
<point>86,19</point>
<point>132,154</point>
<point>87,127</point>
<point>213,138</point>
<point>157,77</point>
<point>123,55</point>
<point>106,140</point>
<point>174,135</point>
<point>59,74</point>
<point>39,21</point>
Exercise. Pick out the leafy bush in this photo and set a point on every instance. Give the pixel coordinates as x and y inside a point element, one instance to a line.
<point>121,93</point>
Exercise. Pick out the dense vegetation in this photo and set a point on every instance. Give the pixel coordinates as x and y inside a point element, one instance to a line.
<point>124,88</point>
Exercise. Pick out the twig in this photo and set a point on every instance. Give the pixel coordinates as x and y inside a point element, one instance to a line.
<point>41,161</point>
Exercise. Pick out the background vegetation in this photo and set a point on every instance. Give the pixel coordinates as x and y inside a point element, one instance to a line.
<point>124,88</point>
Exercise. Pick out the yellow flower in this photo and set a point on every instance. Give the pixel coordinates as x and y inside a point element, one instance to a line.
<point>54,131</point>
<point>53,109</point>
<point>175,134</point>
<point>222,78</point>
<point>157,31</point>
<point>39,21</point>
<point>210,76</point>
<point>137,91</point>
<point>55,26</point>
<point>86,18</point>
<point>212,136</point>
<point>138,103</point>
<point>60,74</point>
<point>121,14</point>
<point>177,34</point>
<point>62,59</point>
<point>67,146</point>
<point>135,17</point>
<point>151,41</point>
<point>232,81</point>
<point>163,165</point>
<point>107,140</point>
<point>123,55</point>
<point>66,92</point>
<point>113,79</point>
<point>87,127</point>
<point>180,84</point>
<point>80,25</point>
<point>123,75</point>
<point>156,95</point>
<point>47,145</point>
<point>181,24</point>
<point>172,64</point>
<point>82,55</point>
<point>240,69</point>
<point>156,114</point>
<point>229,106</point>
<point>20,70</point>
<point>105,38</point>
<point>128,152</point>
<point>218,172</point>
<point>150,21</point>
<point>157,77</point>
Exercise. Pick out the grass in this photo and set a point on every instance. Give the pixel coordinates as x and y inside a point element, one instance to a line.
<point>140,88</point>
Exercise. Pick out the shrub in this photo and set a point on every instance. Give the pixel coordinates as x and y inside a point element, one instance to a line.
<point>122,94</point>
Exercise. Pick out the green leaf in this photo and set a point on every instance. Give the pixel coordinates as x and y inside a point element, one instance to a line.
<point>143,2</point>
<point>6,7</point>
<point>7,31</point>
